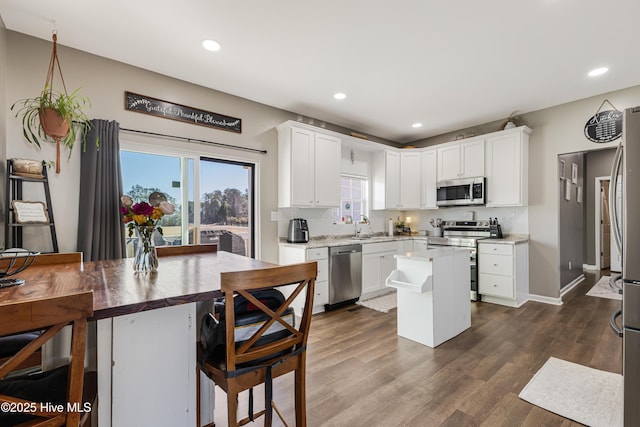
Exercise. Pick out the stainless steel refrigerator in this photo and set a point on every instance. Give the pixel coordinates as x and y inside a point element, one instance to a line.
<point>626,231</point>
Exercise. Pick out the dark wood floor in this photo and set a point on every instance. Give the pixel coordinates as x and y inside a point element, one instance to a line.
<point>360,373</point>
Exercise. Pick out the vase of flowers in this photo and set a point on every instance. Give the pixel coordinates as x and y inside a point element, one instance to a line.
<point>143,217</point>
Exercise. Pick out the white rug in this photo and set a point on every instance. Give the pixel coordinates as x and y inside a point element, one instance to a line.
<point>383,303</point>
<point>586,395</point>
<point>603,290</point>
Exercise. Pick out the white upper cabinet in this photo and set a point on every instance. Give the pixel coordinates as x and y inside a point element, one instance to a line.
<point>308,168</point>
<point>396,180</point>
<point>461,160</point>
<point>506,167</point>
<point>410,184</point>
<point>429,177</point>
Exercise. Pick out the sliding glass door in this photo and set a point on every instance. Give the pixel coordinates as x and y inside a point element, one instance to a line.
<point>226,204</point>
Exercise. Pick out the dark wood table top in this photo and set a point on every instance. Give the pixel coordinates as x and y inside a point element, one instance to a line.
<point>117,290</point>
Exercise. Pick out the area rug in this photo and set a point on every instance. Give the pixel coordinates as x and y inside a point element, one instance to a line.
<point>383,303</point>
<point>586,395</point>
<point>603,290</point>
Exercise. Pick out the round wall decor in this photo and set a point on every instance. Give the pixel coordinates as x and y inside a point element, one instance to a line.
<point>604,126</point>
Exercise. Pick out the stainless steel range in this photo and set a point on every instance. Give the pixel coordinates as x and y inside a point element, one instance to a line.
<point>464,234</point>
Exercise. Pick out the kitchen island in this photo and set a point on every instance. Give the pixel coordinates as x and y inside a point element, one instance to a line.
<point>433,294</point>
<point>146,329</point>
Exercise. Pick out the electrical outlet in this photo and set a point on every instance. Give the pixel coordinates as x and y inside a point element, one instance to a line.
<point>569,265</point>
<point>276,216</point>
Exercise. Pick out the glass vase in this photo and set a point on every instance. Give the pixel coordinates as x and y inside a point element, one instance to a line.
<point>146,257</point>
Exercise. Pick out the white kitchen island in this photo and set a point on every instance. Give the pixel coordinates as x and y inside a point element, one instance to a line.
<point>433,294</point>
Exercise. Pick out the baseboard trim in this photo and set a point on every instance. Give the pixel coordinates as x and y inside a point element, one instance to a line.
<point>545,299</point>
<point>571,285</point>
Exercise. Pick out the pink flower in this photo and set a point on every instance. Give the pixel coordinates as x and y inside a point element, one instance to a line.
<point>167,208</point>
<point>124,210</point>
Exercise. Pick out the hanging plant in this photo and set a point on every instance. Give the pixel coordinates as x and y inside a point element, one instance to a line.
<point>54,115</point>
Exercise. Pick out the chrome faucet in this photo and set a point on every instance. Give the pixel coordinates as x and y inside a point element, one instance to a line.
<point>360,233</point>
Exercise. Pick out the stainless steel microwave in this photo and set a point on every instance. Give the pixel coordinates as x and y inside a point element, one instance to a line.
<point>461,192</point>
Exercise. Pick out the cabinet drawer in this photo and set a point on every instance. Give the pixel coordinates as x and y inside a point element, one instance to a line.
<point>323,270</point>
<point>369,248</point>
<point>317,253</point>
<point>495,264</point>
<point>321,296</point>
<point>497,249</point>
<point>499,286</point>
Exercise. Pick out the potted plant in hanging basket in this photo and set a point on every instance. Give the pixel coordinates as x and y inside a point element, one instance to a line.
<point>54,115</point>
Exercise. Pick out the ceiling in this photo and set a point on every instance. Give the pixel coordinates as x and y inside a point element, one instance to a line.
<point>446,64</point>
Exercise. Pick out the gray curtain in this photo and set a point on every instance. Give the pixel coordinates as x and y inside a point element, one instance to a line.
<point>100,232</point>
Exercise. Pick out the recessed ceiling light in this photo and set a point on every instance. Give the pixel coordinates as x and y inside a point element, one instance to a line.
<point>211,45</point>
<point>598,71</point>
<point>416,125</point>
<point>340,95</point>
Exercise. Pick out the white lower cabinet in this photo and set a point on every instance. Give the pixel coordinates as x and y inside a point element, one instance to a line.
<point>377,264</point>
<point>292,255</point>
<point>503,273</point>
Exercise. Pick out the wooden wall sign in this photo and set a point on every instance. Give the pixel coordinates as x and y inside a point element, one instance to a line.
<point>604,126</point>
<point>169,110</point>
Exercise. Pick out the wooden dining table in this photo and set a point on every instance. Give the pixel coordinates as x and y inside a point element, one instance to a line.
<point>146,329</point>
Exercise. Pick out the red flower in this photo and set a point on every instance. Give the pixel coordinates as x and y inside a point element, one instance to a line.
<point>142,208</point>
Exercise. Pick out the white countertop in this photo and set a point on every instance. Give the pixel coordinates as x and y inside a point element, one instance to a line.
<point>327,241</point>
<point>509,239</point>
<point>432,253</point>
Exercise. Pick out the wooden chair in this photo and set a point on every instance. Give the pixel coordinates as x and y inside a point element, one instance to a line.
<point>9,345</point>
<point>249,364</point>
<point>185,249</point>
<point>26,393</point>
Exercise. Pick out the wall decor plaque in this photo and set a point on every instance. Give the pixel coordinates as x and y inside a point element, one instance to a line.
<point>604,126</point>
<point>29,212</point>
<point>170,110</point>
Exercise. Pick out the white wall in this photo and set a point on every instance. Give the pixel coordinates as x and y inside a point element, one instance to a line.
<point>104,82</point>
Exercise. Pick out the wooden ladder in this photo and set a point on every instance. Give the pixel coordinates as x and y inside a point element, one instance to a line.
<point>13,225</point>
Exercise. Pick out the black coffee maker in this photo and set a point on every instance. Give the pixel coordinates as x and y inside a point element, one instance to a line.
<point>298,231</point>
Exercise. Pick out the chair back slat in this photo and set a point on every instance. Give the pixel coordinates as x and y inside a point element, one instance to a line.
<point>186,249</point>
<point>39,313</point>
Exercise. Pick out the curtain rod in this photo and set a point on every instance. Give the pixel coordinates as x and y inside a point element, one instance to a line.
<point>201,141</point>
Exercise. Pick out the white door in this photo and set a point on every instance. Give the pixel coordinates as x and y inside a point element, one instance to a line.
<point>449,162</point>
<point>472,159</point>
<point>153,369</point>
<point>410,180</point>
<point>429,177</point>
<point>392,177</point>
<point>302,172</point>
<point>326,172</point>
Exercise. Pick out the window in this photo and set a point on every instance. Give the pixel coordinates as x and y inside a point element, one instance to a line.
<point>226,201</point>
<point>353,198</point>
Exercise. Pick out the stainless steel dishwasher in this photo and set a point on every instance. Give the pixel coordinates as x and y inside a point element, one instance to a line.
<point>345,275</point>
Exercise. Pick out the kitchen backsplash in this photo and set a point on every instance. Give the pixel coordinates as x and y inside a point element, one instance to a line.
<point>320,221</point>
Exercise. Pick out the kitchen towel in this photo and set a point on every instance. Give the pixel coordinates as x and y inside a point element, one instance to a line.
<point>586,395</point>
